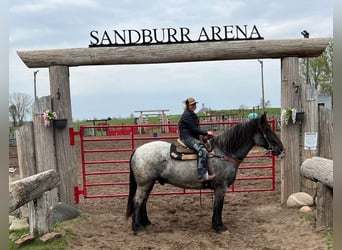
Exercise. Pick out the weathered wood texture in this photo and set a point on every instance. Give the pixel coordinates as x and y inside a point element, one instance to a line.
<point>27,163</point>
<point>321,170</point>
<point>325,132</point>
<point>290,134</point>
<point>45,160</point>
<point>25,148</point>
<point>310,124</point>
<point>324,210</point>
<point>170,53</point>
<point>29,188</point>
<point>318,169</point>
<point>65,153</point>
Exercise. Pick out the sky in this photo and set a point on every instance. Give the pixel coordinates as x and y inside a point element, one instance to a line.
<point>118,91</point>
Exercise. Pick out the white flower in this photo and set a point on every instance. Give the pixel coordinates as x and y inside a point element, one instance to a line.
<point>293,115</point>
<point>286,115</point>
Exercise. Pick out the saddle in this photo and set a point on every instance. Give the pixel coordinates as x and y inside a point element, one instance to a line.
<point>180,151</point>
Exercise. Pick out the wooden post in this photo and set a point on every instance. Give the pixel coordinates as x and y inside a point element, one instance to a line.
<point>26,160</point>
<point>45,160</point>
<point>65,153</point>
<point>310,108</point>
<point>290,165</point>
<point>325,132</point>
<point>324,213</point>
<point>25,148</point>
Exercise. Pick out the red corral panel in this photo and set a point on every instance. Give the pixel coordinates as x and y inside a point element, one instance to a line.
<point>105,160</point>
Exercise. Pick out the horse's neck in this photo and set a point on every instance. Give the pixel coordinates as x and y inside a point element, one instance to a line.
<point>239,153</point>
<point>242,152</point>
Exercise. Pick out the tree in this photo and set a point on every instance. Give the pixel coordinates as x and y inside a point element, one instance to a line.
<point>19,107</point>
<point>320,71</point>
<point>267,103</point>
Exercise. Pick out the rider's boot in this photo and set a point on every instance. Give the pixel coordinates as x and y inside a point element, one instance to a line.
<point>202,171</point>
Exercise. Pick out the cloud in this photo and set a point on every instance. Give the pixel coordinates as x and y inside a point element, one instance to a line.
<point>118,90</point>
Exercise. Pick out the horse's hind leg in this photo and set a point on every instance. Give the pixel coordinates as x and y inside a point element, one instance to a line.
<point>140,217</point>
<point>143,211</point>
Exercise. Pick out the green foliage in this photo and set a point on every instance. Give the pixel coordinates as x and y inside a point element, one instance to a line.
<point>320,70</point>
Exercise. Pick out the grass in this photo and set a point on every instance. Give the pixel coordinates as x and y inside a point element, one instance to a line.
<point>56,244</point>
<point>327,233</point>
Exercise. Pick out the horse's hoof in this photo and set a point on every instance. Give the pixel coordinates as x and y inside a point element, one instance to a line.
<point>220,229</point>
<point>147,223</point>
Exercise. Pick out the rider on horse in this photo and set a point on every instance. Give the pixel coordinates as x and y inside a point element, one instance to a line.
<point>189,133</point>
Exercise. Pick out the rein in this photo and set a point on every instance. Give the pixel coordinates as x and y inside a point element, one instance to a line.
<point>229,158</point>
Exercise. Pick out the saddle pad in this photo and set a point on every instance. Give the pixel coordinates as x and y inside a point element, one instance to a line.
<point>181,153</point>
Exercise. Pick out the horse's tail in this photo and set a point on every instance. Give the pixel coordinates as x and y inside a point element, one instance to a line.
<point>132,190</point>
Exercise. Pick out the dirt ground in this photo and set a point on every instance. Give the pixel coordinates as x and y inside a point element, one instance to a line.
<point>255,220</point>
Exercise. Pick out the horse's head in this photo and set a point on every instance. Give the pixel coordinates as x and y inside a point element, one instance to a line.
<point>266,137</point>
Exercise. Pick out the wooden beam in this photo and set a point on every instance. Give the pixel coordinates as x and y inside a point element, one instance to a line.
<point>24,190</point>
<point>318,169</point>
<point>171,53</point>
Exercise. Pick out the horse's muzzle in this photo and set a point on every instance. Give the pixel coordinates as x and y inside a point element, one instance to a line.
<point>282,154</point>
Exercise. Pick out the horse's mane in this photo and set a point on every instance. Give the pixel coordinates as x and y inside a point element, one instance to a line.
<point>233,138</point>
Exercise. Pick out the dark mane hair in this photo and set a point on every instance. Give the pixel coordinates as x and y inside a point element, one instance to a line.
<point>233,138</point>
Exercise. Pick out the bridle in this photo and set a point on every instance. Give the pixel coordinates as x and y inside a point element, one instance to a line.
<point>270,146</point>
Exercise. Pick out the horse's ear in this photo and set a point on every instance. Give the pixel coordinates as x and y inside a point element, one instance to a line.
<point>263,119</point>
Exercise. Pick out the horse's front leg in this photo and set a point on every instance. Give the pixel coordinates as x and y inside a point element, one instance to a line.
<point>218,206</point>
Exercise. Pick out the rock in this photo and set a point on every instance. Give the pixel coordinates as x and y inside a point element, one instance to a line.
<point>62,212</point>
<point>19,224</point>
<point>299,199</point>
<point>305,209</point>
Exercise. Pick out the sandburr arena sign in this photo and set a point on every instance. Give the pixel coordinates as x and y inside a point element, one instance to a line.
<point>172,35</point>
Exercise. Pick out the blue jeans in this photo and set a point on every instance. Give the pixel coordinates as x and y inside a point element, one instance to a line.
<point>202,153</point>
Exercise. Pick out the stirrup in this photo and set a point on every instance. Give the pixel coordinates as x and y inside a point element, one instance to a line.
<point>206,177</point>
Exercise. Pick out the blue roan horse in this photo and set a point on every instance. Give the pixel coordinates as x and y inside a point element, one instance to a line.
<point>151,162</point>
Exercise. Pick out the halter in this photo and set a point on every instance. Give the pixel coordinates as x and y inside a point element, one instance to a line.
<point>270,147</point>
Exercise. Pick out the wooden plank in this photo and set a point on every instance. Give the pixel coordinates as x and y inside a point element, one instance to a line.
<point>290,134</point>
<point>318,169</point>
<point>171,53</point>
<point>65,153</point>
<point>25,149</point>
<point>27,189</point>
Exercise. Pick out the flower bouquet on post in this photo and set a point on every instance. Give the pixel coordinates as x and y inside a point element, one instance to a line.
<point>49,116</point>
<point>290,114</point>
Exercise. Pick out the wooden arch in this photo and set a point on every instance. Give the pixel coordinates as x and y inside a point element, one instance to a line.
<point>289,51</point>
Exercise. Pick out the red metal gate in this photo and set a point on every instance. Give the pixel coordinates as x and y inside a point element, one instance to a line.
<point>105,152</point>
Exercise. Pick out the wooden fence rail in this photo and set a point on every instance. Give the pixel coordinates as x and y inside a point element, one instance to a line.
<point>27,189</point>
